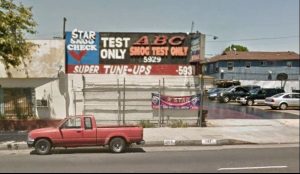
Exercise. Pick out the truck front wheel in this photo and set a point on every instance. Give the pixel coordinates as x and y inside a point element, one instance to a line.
<point>43,146</point>
<point>117,145</point>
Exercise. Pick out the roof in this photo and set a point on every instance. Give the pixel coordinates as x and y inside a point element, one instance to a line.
<point>197,60</point>
<point>231,55</point>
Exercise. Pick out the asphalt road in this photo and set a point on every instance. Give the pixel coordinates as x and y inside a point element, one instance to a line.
<point>233,110</point>
<point>220,160</point>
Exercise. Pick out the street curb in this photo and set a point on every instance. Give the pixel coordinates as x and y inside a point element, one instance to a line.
<point>204,142</point>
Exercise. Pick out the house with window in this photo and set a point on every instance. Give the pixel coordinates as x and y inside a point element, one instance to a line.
<point>258,66</point>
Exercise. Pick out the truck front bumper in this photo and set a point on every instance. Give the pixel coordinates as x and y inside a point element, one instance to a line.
<point>141,142</point>
<point>30,142</point>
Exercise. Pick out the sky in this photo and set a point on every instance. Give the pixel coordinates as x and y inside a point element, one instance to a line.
<point>260,25</point>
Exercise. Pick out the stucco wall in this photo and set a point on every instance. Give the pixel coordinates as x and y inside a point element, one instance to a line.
<point>46,61</point>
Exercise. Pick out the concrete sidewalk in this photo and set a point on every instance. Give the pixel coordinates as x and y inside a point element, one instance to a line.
<point>218,132</point>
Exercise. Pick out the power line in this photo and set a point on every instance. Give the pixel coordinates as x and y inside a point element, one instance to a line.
<point>255,39</point>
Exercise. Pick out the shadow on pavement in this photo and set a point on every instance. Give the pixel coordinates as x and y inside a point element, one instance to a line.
<point>88,150</point>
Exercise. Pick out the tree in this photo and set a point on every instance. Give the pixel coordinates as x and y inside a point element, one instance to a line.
<point>15,21</point>
<point>236,48</point>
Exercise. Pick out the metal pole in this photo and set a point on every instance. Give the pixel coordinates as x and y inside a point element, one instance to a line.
<point>124,102</point>
<point>159,109</point>
<point>119,103</point>
<point>75,103</point>
<point>74,94</point>
<point>200,113</point>
<point>162,110</point>
<point>83,94</point>
<point>202,46</point>
<point>64,28</point>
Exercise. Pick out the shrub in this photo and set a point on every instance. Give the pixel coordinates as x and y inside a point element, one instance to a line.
<point>146,124</point>
<point>178,123</point>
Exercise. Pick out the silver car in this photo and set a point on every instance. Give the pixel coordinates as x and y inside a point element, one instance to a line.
<point>283,100</point>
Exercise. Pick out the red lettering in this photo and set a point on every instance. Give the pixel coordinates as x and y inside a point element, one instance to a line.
<point>176,40</point>
<point>142,41</point>
<point>139,51</point>
<point>160,40</point>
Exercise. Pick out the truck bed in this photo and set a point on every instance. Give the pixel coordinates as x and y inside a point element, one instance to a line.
<point>116,126</point>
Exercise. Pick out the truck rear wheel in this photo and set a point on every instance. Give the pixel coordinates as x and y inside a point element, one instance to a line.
<point>117,145</point>
<point>43,146</point>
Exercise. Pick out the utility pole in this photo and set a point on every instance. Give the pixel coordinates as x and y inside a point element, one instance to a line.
<point>64,28</point>
<point>192,27</point>
<point>202,54</point>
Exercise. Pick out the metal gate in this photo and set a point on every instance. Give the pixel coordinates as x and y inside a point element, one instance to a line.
<point>17,102</point>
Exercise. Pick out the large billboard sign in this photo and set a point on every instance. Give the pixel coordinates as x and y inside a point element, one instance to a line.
<point>90,52</point>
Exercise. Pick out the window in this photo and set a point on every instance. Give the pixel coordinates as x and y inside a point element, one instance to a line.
<point>217,67</point>
<point>287,96</point>
<point>230,66</point>
<point>263,63</point>
<point>72,123</point>
<point>271,63</point>
<point>88,123</point>
<point>289,64</point>
<point>296,96</point>
<point>248,64</point>
<point>17,102</point>
<point>211,68</point>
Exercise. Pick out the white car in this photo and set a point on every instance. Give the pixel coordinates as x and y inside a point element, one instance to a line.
<point>283,100</point>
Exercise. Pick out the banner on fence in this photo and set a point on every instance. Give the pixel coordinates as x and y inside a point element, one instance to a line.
<point>175,102</point>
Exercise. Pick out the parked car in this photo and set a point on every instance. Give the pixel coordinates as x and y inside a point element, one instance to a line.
<point>235,91</point>
<point>283,100</point>
<point>80,131</point>
<point>258,96</point>
<point>226,83</point>
<point>213,93</point>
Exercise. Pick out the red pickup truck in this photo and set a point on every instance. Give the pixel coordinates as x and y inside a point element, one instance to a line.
<point>78,131</point>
